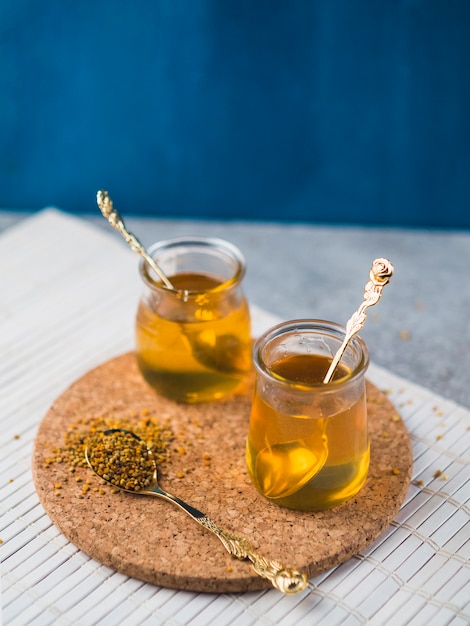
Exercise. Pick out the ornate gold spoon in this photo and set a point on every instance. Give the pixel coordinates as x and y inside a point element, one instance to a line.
<point>122,459</point>
<point>203,352</point>
<point>114,218</point>
<point>379,275</point>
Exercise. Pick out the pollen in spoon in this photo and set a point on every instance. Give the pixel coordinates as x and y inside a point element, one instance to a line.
<point>122,460</point>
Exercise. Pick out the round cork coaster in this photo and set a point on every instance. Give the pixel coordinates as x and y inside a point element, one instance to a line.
<point>152,540</point>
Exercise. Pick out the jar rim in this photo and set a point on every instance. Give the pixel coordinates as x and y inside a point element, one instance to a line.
<point>291,326</point>
<point>198,242</point>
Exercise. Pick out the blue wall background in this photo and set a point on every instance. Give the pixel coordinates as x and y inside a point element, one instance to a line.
<point>350,111</point>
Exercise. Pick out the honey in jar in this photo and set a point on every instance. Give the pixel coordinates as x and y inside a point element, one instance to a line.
<point>308,445</point>
<point>194,345</point>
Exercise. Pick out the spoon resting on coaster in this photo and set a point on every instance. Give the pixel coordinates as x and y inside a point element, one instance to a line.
<point>122,459</point>
<point>379,275</point>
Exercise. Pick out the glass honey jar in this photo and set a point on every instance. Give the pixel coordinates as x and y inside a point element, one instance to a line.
<point>193,344</point>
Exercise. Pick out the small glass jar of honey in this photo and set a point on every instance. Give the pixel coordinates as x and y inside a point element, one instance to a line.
<point>193,344</point>
<point>308,444</point>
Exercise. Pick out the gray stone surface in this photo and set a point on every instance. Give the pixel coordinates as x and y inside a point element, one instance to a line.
<point>420,329</point>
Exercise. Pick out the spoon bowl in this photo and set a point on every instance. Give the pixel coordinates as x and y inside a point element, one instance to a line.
<point>283,469</point>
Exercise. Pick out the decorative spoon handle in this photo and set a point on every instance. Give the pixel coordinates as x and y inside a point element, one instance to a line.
<point>379,276</point>
<point>289,581</point>
<point>114,218</point>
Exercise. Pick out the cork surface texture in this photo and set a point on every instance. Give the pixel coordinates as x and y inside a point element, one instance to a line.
<point>153,540</point>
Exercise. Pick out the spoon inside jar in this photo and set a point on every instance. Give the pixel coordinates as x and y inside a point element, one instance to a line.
<point>227,355</point>
<point>121,458</point>
<point>114,218</point>
<point>379,276</point>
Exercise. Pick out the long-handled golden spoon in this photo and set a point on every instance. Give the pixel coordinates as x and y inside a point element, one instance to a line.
<point>379,276</point>
<point>114,218</point>
<point>203,351</point>
<point>121,458</point>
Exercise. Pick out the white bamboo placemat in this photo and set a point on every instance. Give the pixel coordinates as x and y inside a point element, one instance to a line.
<point>68,293</point>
